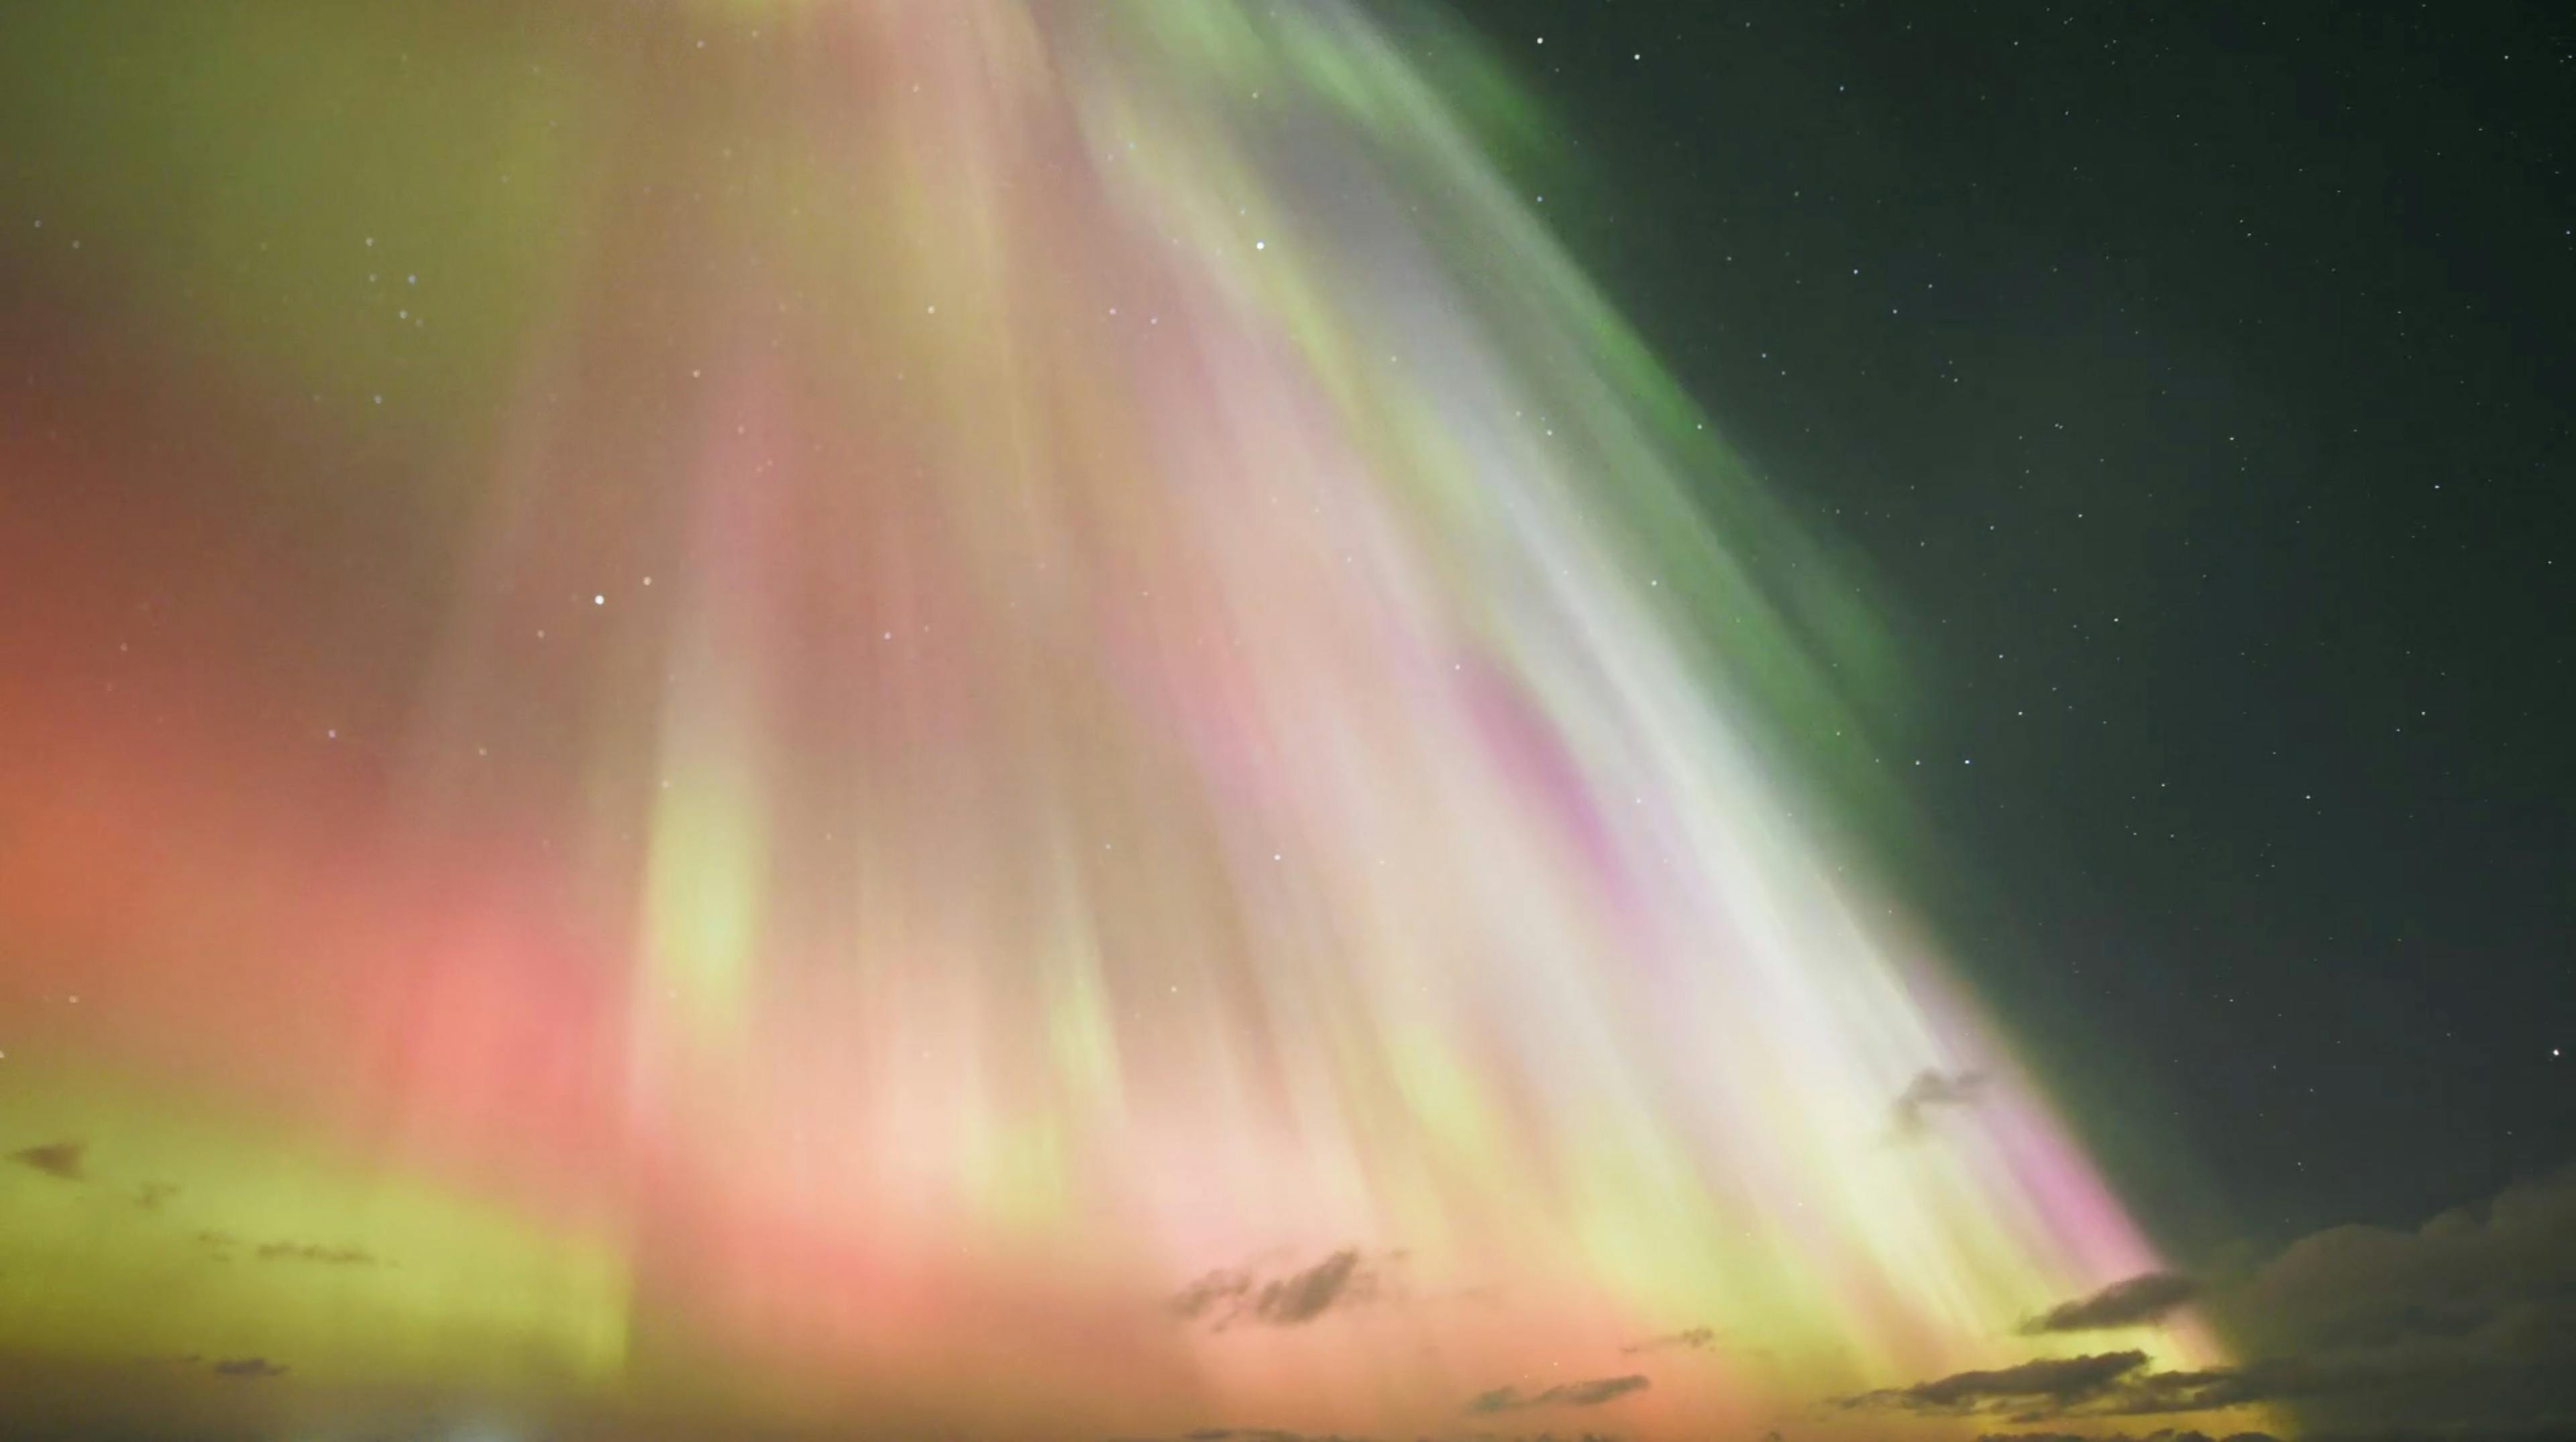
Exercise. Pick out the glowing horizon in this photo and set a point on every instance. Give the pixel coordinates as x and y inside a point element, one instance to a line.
<point>1039,730</point>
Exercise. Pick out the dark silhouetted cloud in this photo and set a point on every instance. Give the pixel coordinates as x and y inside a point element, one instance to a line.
<point>2462,1328</point>
<point>2135,1302</point>
<point>1222,1298</point>
<point>248,1367</point>
<point>1690,1339</point>
<point>1309,1294</point>
<point>2465,1326</point>
<point>2108,1384</point>
<point>1274,1434</point>
<point>1217,1292</point>
<point>1251,1434</point>
<point>2161,1434</point>
<point>2464,1272</point>
<point>65,1160</point>
<point>2049,1380</point>
<point>1591,1393</point>
<point>1932,1089</point>
<point>1594,1392</point>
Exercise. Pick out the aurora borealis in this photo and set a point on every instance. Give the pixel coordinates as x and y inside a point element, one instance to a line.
<point>958,718</point>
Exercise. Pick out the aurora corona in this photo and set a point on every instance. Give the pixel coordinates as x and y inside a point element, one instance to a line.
<point>1047,735</point>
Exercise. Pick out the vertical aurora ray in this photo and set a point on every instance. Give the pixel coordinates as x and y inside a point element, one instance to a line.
<point>1057,654</point>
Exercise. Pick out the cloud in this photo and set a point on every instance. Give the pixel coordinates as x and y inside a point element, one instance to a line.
<point>1215,1291</point>
<point>2135,1302</point>
<point>1344,1279</point>
<point>2049,1381</point>
<point>2463,1328</point>
<point>1274,1434</point>
<point>2106,1384</point>
<point>2466,1271</point>
<point>1307,1295</point>
<point>1593,1393</point>
<point>316,1253</point>
<point>1281,1435</point>
<point>1691,1339</point>
<point>2465,1324</point>
<point>2161,1434</point>
<point>1931,1089</point>
<point>65,1160</point>
<point>1252,1434</point>
<point>2539,1429</point>
<point>249,1368</point>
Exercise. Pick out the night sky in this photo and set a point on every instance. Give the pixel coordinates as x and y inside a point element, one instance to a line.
<point>1189,721</point>
<point>2197,378</point>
